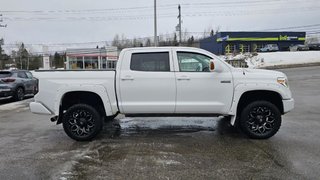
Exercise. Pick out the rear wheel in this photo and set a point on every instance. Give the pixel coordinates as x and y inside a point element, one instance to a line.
<point>19,94</point>
<point>82,122</point>
<point>260,120</point>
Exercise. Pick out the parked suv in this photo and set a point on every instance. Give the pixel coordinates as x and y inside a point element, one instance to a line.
<point>269,48</point>
<point>17,84</point>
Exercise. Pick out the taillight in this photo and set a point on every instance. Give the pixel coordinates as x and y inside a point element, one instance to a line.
<point>36,87</point>
<point>8,80</point>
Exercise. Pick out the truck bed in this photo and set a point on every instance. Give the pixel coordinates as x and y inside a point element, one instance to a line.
<point>53,83</point>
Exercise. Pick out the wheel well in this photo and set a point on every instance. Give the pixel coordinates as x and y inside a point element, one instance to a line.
<point>20,86</point>
<point>82,97</point>
<point>251,96</point>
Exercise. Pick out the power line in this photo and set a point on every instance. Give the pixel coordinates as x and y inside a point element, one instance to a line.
<point>164,6</point>
<point>295,27</point>
<point>164,15</point>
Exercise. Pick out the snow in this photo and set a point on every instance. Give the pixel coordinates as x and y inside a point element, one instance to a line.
<point>261,60</point>
<point>167,162</point>
<point>15,105</point>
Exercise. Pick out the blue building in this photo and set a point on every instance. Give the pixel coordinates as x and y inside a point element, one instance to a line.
<point>241,42</point>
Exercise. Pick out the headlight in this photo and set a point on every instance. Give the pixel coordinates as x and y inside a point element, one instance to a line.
<point>283,81</point>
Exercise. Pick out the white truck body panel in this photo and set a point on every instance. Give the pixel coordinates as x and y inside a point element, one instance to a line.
<point>203,89</point>
<point>154,92</point>
<point>54,85</point>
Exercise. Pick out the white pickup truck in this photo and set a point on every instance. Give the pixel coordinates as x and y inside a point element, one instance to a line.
<point>164,81</point>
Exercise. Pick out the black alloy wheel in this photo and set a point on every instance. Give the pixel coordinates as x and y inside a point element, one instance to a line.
<point>82,122</point>
<point>260,120</point>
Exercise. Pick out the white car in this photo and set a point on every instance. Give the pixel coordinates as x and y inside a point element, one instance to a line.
<point>269,48</point>
<point>164,81</point>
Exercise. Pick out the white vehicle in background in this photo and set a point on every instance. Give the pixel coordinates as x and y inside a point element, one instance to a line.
<point>164,81</point>
<point>269,48</point>
<point>299,47</point>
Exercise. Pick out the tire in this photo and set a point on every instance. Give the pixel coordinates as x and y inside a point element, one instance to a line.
<point>18,94</point>
<point>260,120</point>
<point>82,122</point>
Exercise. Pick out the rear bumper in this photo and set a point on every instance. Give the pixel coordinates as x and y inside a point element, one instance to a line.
<point>288,105</point>
<point>39,108</point>
<point>6,93</point>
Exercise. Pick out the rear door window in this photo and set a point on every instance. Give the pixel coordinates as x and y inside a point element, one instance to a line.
<point>155,61</point>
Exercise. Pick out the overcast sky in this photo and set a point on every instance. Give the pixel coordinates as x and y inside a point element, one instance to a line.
<point>69,21</point>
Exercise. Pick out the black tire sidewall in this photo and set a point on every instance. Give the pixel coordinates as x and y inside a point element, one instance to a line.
<point>16,94</point>
<point>97,120</point>
<point>244,118</point>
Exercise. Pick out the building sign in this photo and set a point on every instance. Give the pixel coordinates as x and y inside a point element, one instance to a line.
<point>280,38</point>
<point>287,38</point>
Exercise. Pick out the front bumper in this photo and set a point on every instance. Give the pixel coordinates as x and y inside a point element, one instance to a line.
<point>288,105</point>
<point>39,108</point>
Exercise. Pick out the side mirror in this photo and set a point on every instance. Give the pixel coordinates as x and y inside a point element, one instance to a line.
<point>214,66</point>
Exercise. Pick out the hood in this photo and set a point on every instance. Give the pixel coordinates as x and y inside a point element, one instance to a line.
<point>257,75</point>
<point>259,72</point>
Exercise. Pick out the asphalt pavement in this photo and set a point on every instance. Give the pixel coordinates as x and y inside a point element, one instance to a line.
<point>166,148</point>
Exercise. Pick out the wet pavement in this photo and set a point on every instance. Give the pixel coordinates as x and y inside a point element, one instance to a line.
<point>166,148</point>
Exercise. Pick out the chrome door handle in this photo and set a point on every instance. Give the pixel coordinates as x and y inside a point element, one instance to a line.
<point>183,78</point>
<point>127,78</point>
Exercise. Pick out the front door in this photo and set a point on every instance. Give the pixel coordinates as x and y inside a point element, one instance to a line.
<point>201,91</point>
<point>147,84</point>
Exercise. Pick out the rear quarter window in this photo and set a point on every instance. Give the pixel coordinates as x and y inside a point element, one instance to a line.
<point>5,74</point>
<point>157,61</point>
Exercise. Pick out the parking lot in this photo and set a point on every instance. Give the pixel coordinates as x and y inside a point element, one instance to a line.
<point>166,148</point>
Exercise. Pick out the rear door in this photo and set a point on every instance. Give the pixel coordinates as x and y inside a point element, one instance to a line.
<point>27,83</point>
<point>147,82</point>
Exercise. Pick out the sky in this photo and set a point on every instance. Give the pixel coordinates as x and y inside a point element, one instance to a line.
<point>57,22</point>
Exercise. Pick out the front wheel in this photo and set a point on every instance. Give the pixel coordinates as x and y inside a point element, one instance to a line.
<point>82,122</point>
<point>260,120</point>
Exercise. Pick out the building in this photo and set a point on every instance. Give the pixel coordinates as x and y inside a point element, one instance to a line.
<point>241,42</point>
<point>92,58</point>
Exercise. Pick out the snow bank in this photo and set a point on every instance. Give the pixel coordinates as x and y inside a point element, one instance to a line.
<point>283,58</point>
<point>260,60</point>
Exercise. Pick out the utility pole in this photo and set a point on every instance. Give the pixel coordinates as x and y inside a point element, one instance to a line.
<point>179,25</point>
<point>155,24</point>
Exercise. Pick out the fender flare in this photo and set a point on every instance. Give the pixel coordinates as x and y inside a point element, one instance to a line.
<point>240,89</point>
<point>97,89</point>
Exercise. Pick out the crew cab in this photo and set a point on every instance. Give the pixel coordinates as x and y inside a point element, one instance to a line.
<point>164,81</point>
